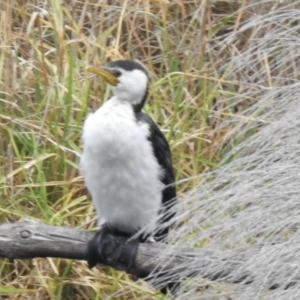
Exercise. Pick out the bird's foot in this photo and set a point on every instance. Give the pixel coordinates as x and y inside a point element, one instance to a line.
<point>106,247</point>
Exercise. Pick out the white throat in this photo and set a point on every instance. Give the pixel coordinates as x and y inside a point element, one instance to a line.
<point>132,86</point>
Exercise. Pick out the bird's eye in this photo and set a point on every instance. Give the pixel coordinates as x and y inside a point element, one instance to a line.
<point>117,73</point>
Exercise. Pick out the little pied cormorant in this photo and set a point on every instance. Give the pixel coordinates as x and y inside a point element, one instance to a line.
<point>126,164</point>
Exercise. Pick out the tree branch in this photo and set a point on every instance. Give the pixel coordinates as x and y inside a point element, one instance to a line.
<point>33,239</point>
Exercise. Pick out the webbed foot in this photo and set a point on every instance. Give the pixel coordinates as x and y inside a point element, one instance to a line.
<point>107,247</point>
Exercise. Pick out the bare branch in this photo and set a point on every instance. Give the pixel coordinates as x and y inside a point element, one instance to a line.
<point>33,239</point>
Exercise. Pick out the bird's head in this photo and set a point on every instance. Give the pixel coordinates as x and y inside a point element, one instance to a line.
<point>127,79</point>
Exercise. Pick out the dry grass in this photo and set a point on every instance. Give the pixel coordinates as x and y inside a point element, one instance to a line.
<point>45,95</point>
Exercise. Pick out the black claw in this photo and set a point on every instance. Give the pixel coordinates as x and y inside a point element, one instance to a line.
<point>95,248</point>
<point>107,247</point>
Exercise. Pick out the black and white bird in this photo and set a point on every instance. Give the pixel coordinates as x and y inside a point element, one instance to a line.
<point>126,163</point>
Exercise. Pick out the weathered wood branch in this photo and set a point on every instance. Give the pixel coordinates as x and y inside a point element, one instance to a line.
<point>31,239</point>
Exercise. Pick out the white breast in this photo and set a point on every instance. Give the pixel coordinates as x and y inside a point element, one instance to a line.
<point>119,168</point>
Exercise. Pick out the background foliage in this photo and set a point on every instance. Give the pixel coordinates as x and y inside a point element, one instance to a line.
<point>224,90</point>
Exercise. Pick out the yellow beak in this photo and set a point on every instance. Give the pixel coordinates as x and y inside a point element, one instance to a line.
<point>105,74</point>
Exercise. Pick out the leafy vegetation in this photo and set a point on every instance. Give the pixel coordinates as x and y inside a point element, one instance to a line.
<point>45,94</point>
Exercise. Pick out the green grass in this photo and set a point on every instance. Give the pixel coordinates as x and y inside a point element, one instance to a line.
<point>45,95</point>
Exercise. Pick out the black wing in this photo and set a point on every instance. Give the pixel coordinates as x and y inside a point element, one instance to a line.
<point>163,155</point>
